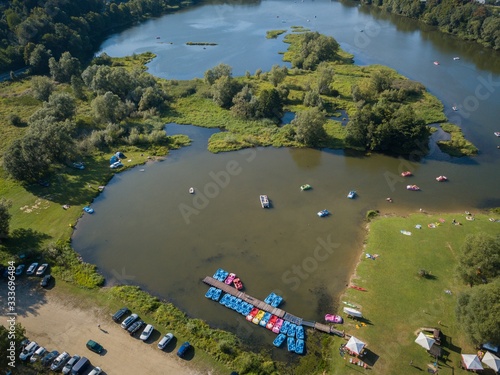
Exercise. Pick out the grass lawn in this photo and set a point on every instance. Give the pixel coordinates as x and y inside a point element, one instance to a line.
<point>398,301</point>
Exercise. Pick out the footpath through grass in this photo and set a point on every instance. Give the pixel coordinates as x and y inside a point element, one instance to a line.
<point>398,301</point>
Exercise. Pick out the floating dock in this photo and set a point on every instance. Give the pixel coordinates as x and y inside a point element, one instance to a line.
<point>266,307</point>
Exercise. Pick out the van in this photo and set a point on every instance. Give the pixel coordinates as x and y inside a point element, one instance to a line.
<point>129,320</point>
<point>80,366</point>
<point>28,351</point>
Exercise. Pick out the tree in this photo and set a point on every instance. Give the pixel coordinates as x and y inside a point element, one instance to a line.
<point>312,98</point>
<point>42,87</point>
<point>4,218</point>
<point>24,160</point>
<point>152,97</point>
<point>479,259</point>
<point>77,85</point>
<point>221,70</point>
<point>478,311</point>
<point>39,59</point>
<point>244,104</point>
<point>270,105</point>
<point>277,74</point>
<point>65,68</point>
<point>309,127</point>
<point>223,90</point>
<point>108,107</point>
<point>325,78</point>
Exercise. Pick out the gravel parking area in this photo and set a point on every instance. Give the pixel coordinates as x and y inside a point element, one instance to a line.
<point>55,321</point>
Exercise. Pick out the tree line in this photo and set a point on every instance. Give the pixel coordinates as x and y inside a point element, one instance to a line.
<point>478,308</point>
<point>469,20</point>
<point>32,31</point>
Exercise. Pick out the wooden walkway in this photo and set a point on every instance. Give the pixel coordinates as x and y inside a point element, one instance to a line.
<point>266,307</point>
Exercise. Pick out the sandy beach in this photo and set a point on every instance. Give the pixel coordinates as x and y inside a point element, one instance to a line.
<point>57,322</point>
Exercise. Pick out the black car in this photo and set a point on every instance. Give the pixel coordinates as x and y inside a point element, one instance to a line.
<point>46,281</point>
<point>47,360</point>
<point>135,327</point>
<point>120,313</point>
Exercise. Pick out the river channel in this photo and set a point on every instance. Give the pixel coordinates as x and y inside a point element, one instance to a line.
<point>149,231</point>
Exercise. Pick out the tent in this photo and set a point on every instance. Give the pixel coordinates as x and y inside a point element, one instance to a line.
<point>113,159</point>
<point>471,362</point>
<point>424,341</point>
<point>492,361</point>
<point>355,345</point>
<point>120,155</point>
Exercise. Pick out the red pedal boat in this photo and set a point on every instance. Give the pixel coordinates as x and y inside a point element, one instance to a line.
<point>237,283</point>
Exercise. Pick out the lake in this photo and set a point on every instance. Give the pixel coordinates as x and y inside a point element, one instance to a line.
<point>148,230</point>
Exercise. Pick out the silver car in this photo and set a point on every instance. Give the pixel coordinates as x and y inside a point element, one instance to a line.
<point>60,361</point>
<point>68,366</point>
<point>165,340</point>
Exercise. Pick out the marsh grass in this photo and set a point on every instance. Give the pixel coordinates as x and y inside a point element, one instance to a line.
<point>457,146</point>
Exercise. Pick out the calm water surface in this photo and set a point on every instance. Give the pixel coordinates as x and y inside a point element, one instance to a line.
<point>148,230</point>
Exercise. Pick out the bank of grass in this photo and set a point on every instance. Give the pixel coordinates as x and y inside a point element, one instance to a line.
<point>398,301</point>
<point>457,145</point>
<point>273,34</point>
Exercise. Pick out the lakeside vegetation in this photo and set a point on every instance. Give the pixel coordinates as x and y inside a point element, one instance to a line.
<point>457,145</point>
<point>467,20</point>
<point>273,34</point>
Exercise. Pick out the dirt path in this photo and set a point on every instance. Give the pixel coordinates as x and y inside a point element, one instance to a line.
<point>55,322</point>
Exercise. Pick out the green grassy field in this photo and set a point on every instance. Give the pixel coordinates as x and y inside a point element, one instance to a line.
<point>398,301</point>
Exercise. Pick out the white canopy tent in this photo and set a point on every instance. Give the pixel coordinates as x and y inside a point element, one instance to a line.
<point>492,361</point>
<point>471,362</point>
<point>355,345</point>
<point>424,341</point>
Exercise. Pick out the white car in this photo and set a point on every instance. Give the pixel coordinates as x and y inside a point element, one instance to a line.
<point>165,340</point>
<point>41,270</point>
<point>95,371</point>
<point>116,165</point>
<point>147,332</point>
<point>60,361</point>
<point>28,351</point>
<point>129,320</point>
<point>68,366</point>
<point>39,353</point>
<point>32,269</point>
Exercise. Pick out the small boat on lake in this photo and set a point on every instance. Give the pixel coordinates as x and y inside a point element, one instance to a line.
<point>292,329</point>
<point>258,317</point>
<point>497,134</point>
<point>351,194</point>
<point>305,187</point>
<point>191,190</point>
<point>436,62</point>
<point>265,319</point>
<point>210,292</point>
<point>88,209</point>
<point>323,213</point>
<point>299,332</point>
<point>272,321</point>
<point>290,343</point>
<point>279,340</point>
<point>456,58</point>
<point>441,178</point>
<point>406,174</point>
<point>455,108</point>
<point>264,201</point>
<point>412,187</point>
<point>277,326</point>
<point>252,314</point>
<point>337,319</point>
<point>299,346</point>
<point>237,283</point>
<point>230,278</point>
<point>284,327</point>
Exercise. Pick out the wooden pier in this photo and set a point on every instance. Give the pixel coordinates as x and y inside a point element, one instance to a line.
<point>271,309</point>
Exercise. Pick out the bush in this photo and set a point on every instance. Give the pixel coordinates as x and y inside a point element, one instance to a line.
<point>371,214</point>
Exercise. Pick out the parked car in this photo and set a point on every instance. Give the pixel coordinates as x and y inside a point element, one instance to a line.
<point>135,327</point>
<point>20,269</point>
<point>39,353</point>
<point>46,281</point>
<point>165,340</point>
<point>147,332</point>
<point>47,360</point>
<point>129,320</point>
<point>69,365</point>
<point>116,165</point>
<point>32,269</point>
<point>28,351</point>
<point>94,346</point>
<point>95,371</point>
<point>80,366</point>
<point>41,270</point>
<point>183,349</point>
<point>120,314</point>
<point>60,361</point>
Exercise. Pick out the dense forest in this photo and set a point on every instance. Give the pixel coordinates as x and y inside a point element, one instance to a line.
<point>32,31</point>
<point>467,19</point>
